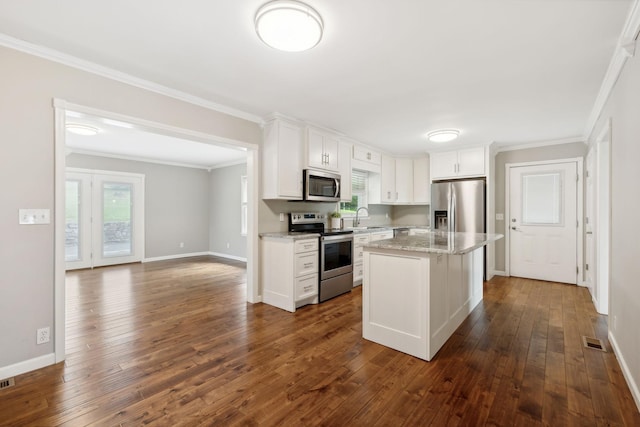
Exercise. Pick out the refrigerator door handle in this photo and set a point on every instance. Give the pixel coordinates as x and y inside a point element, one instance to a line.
<point>452,210</point>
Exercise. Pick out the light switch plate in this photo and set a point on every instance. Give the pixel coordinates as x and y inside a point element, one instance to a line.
<point>34,216</point>
<point>499,217</point>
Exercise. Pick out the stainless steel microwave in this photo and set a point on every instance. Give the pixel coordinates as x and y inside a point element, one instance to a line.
<point>321,186</point>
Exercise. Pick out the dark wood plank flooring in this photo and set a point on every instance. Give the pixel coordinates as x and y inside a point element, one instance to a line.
<point>174,343</point>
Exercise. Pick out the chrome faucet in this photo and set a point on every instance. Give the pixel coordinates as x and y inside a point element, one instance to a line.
<point>357,221</point>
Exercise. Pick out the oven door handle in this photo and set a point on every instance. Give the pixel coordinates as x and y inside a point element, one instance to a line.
<point>339,238</point>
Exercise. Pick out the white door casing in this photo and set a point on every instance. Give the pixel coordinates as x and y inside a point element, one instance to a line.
<point>543,221</point>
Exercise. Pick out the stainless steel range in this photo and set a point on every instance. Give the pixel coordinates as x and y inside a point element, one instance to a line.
<point>336,253</point>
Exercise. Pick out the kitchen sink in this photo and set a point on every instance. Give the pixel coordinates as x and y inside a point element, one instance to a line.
<point>368,228</point>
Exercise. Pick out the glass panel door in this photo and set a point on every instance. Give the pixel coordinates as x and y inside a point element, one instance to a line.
<point>116,219</point>
<point>78,220</point>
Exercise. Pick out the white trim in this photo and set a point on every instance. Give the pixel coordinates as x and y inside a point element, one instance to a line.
<point>27,365</point>
<point>148,160</point>
<point>499,147</point>
<point>499,273</point>
<point>626,372</point>
<point>254,287</point>
<point>193,254</point>
<point>104,172</point>
<point>233,257</point>
<point>624,50</point>
<point>59,265</point>
<point>228,164</point>
<point>156,127</point>
<point>175,256</point>
<point>110,73</point>
<point>579,210</point>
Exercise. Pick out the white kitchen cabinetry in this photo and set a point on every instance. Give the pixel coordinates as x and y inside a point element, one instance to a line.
<point>419,231</point>
<point>421,181</point>
<point>289,272</point>
<point>322,149</point>
<point>366,159</point>
<point>414,301</point>
<point>282,161</point>
<point>458,164</point>
<point>344,162</point>
<point>388,180</point>
<point>404,181</point>
<point>359,240</point>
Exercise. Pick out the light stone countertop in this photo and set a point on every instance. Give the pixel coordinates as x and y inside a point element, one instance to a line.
<point>436,242</point>
<point>289,235</point>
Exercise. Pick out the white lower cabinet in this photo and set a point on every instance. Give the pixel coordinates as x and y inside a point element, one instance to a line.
<point>289,271</point>
<point>414,301</point>
<point>381,235</point>
<point>359,240</point>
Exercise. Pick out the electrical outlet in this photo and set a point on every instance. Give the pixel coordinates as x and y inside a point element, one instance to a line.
<point>499,217</point>
<point>42,335</point>
<point>228,245</point>
<point>615,323</point>
<point>281,217</point>
<point>182,244</point>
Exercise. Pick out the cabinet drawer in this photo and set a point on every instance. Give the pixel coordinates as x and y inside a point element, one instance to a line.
<point>358,271</point>
<point>357,254</point>
<point>306,245</point>
<point>306,287</point>
<point>381,236</point>
<point>306,263</point>
<point>361,239</point>
<point>418,232</point>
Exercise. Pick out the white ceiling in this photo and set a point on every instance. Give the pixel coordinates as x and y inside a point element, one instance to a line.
<point>385,73</point>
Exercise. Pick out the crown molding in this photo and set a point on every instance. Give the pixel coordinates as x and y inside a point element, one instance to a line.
<point>624,50</point>
<point>110,73</point>
<point>500,147</point>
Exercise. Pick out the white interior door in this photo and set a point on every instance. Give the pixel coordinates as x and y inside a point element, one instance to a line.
<point>107,210</point>
<point>543,222</point>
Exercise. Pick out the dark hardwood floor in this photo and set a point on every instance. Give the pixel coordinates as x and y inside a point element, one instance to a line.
<point>174,343</point>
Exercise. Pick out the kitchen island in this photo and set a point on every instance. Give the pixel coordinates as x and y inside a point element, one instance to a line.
<point>417,290</point>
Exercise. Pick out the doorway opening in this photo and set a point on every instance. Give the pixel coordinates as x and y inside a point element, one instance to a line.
<point>65,112</point>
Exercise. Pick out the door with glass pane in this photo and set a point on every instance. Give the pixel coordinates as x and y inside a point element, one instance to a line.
<point>543,222</point>
<point>110,217</point>
<point>78,245</point>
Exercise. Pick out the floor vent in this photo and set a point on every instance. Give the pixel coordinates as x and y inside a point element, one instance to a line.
<point>6,383</point>
<point>594,343</point>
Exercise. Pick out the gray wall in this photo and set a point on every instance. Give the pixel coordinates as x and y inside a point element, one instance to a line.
<point>623,108</point>
<point>552,152</point>
<point>28,86</point>
<point>225,218</point>
<point>176,203</point>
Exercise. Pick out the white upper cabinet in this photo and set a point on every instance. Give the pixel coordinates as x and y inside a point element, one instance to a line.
<point>282,161</point>
<point>388,180</point>
<point>421,182</point>
<point>404,180</point>
<point>322,149</point>
<point>344,162</point>
<point>458,164</point>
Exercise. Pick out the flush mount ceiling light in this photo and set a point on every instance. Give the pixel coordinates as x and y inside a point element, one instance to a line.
<point>80,129</point>
<point>289,25</point>
<point>443,135</point>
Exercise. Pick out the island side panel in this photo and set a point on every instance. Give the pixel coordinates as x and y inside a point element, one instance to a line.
<point>395,301</point>
<point>277,271</point>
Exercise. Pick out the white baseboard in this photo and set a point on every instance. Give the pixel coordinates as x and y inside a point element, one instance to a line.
<point>499,273</point>
<point>176,256</point>
<point>236,258</point>
<point>633,386</point>
<point>27,366</point>
<point>192,254</point>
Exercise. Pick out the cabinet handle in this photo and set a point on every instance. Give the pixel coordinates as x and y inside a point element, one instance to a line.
<point>308,265</point>
<point>328,158</point>
<point>396,195</point>
<point>368,156</point>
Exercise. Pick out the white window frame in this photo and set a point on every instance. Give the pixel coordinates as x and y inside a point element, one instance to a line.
<point>363,194</point>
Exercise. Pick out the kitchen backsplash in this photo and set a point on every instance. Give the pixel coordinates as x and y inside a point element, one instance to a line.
<point>270,210</point>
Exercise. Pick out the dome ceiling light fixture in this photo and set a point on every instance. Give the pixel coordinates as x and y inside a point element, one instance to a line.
<point>288,25</point>
<point>80,129</point>
<point>443,135</point>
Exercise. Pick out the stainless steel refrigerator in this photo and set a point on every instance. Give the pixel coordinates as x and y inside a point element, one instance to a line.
<point>458,205</point>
